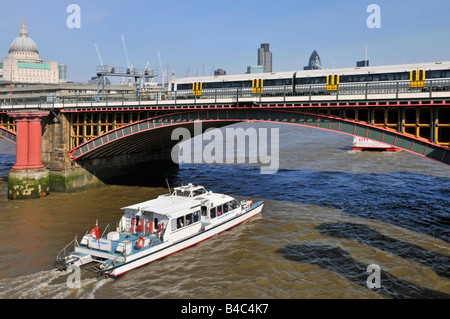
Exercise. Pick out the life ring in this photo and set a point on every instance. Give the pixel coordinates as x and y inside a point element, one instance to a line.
<point>140,243</point>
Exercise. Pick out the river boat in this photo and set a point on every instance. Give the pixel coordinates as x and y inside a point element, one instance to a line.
<point>365,144</point>
<point>154,229</point>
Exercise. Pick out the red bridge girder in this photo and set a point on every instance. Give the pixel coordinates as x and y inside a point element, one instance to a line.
<point>154,133</point>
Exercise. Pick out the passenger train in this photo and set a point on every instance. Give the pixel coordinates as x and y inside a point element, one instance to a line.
<point>326,81</point>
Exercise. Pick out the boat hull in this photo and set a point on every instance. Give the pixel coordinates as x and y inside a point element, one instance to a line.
<point>183,244</point>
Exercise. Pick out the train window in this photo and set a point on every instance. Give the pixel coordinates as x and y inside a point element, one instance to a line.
<point>433,74</point>
<point>247,84</point>
<point>184,87</point>
<point>403,76</point>
<point>311,80</point>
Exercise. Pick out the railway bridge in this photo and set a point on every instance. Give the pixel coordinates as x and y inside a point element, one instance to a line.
<point>75,142</point>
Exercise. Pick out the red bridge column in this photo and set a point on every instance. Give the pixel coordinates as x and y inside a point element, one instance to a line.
<point>28,177</point>
<point>21,142</point>
<point>35,141</point>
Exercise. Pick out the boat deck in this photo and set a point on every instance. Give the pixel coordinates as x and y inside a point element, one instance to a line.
<point>125,238</point>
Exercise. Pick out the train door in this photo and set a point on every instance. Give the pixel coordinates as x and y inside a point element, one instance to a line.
<point>197,88</point>
<point>417,78</point>
<point>332,82</point>
<point>257,86</point>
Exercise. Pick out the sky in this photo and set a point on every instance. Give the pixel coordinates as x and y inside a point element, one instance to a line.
<point>203,35</point>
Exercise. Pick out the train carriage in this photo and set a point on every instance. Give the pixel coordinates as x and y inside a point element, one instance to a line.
<point>377,79</point>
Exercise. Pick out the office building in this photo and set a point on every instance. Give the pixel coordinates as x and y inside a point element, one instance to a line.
<point>265,57</point>
<point>314,62</point>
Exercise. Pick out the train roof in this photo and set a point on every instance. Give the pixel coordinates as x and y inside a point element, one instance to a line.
<point>322,72</point>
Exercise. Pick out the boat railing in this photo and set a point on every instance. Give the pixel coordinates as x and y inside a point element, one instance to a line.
<point>106,228</point>
<point>62,255</point>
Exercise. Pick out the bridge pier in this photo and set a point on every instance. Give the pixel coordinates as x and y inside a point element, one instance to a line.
<point>65,176</point>
<point>29,177</point>
<point>69,176</point>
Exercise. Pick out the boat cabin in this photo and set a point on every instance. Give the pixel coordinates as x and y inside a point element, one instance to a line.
<point>188,209</point>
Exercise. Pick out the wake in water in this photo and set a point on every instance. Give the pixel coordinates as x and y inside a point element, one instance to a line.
<point>50,284</point>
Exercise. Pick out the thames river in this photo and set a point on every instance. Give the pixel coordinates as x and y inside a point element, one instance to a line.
<point>329,213</point>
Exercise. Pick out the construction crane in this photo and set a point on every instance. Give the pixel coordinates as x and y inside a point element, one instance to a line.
<point>98,53</point>
<point>126,56</point>
<point>163,73</point>
<point>102,78</point>
<point>126,52</point>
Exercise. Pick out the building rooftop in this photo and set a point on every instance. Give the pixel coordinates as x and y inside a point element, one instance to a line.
<point>23,43</point>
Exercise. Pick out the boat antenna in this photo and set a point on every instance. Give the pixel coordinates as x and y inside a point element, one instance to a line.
<point>170,193</point>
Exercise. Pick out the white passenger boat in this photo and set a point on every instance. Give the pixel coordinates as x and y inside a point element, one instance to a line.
<point>151,230</point>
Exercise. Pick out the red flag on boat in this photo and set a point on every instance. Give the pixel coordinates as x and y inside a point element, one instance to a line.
<point>95,231</point>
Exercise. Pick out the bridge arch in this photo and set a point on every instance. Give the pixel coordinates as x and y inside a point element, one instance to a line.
<point>8,135</point>
<point>155,132</point>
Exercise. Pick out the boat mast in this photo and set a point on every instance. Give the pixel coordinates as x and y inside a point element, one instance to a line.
<point>170,193</point>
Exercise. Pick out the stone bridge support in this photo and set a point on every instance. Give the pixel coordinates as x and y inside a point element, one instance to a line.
<point>68,176</point>
<point>65,175</point>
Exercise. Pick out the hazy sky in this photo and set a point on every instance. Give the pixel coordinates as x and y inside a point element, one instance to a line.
<point>203,34</point>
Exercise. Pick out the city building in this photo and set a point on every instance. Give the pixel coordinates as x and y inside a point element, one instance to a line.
<point>220,72</point>
<point>24,75</point>
<point>362,64</point>
<point>256,69</point>
<point>62,73</point>
<point>314,62</point>
<point>265,57</point>
<point>23,64</point>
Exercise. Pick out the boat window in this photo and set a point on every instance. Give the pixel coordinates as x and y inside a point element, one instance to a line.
<point>198,192</point>
<point>182,193</point>
<point>234,204</point>
<point>196,216</point>
<point>180,222</point>
<point>219,210</point>
<point>204,211</point>
<point>225,208</point>
<point>213,212</point>
<point>189,219</point>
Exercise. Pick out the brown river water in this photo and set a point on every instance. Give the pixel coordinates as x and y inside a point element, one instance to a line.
<point>329,213</point>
